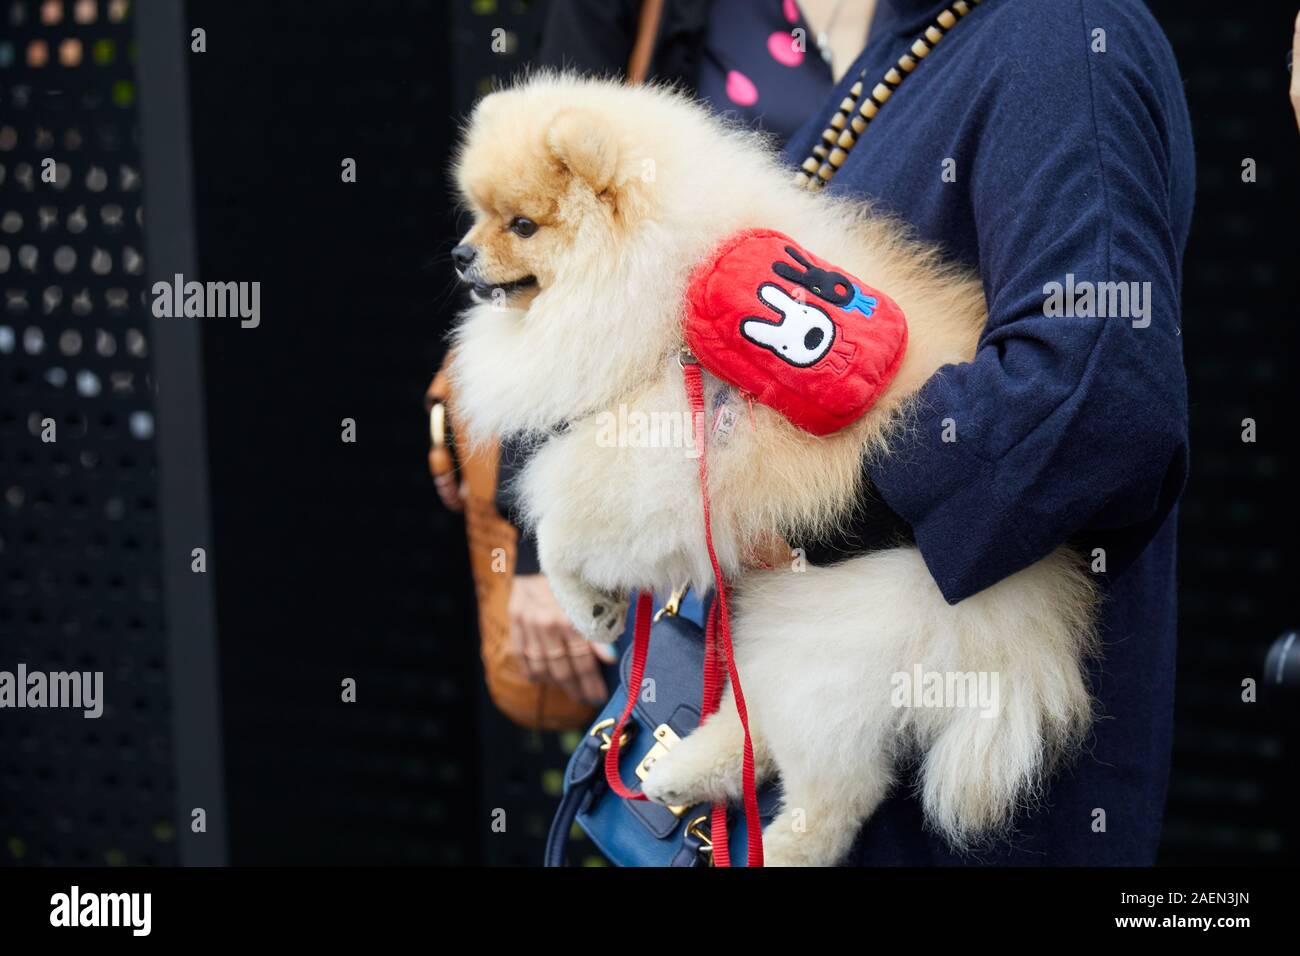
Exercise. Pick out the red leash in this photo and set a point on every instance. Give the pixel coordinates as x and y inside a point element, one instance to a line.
<point>717,650</point>
<point>640,648</point>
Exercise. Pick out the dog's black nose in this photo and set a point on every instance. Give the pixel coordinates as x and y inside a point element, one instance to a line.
<point>463,255</point>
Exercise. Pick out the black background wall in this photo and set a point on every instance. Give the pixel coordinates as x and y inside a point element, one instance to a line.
<point>1231,792</point>
<point>333,560</point>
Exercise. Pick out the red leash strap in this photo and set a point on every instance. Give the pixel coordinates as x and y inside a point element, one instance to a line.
<point>748,783</point>
<point>717,652</point>
<point>709,701</point>
<point>722,640</point>
<point>640,649</point>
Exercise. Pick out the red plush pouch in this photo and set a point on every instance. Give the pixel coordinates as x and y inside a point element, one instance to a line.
<point>799,335</point>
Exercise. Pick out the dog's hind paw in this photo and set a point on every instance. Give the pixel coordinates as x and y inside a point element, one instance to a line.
<point>599,617</point>
<point>595,615</point>
<point>607,617</point>
<point>783,846</point>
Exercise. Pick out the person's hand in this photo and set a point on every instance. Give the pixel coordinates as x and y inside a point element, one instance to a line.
<point>1295,70</point>
<point>546,645</point>
<point>450,492</point>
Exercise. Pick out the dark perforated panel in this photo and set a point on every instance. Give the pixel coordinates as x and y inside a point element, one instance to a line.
<point>79,563</point>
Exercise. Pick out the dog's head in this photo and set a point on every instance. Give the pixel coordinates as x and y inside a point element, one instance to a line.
<point>555,182</point>
<point>590,202</point>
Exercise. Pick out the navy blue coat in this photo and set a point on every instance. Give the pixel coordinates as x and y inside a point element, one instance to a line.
<point>1066,160</point>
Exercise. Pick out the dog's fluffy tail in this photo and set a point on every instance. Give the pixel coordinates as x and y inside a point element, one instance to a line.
<point>979,768</point>
<point>843,642</point>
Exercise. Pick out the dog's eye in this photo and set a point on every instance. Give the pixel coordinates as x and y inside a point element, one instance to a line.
<point>521,227</point>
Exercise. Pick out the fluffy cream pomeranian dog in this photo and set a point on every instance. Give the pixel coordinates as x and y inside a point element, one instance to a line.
<point>592,203</point>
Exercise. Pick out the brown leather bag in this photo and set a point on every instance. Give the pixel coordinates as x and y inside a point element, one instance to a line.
<point>492,547</point>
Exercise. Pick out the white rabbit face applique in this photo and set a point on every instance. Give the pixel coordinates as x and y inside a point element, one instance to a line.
<point>803,334</point>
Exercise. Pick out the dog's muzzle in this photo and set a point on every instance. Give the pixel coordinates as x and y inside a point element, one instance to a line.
<point>489,290</point>
<point>479,288</point>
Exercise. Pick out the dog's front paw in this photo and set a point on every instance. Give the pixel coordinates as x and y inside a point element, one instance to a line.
<point>702,768</point>
<point>673,782</point>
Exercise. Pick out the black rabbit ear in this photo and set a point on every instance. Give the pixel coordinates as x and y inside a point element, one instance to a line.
<point>786,271</point>
<point>796,256</point>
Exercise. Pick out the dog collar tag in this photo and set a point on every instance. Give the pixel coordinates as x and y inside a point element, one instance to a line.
<point>803,337</point>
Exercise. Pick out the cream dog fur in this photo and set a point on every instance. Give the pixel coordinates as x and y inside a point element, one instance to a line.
<point>593,201</point>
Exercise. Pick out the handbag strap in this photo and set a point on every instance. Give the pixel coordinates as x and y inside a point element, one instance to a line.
<point>647,31</point>
<point>583,783</point>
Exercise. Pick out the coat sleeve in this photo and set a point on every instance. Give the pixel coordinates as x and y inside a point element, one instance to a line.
<point>1063,427</point>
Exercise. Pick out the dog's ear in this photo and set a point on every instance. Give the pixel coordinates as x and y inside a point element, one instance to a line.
<point>590,149</point>
<point>585,147</point>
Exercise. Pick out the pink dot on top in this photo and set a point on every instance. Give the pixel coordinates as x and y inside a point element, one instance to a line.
<point>791,11</point>
<point>781,46</point>
<point>741,89</point>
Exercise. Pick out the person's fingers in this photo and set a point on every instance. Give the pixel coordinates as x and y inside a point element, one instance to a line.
<point>449,492</point>
<point>606,653</point>
<point>1295,70</point>
<point>534,657</point>
<point>590,680</point>
<point>545,642</point>
<point>515,643</point>
<point>559,667</point>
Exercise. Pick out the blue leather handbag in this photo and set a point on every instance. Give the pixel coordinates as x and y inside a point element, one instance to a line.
<point>638,832</point>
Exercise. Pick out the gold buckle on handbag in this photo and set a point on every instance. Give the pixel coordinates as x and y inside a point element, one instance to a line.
<point>601,729</point>
<point>665,740</point>
<point>696,829</point>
